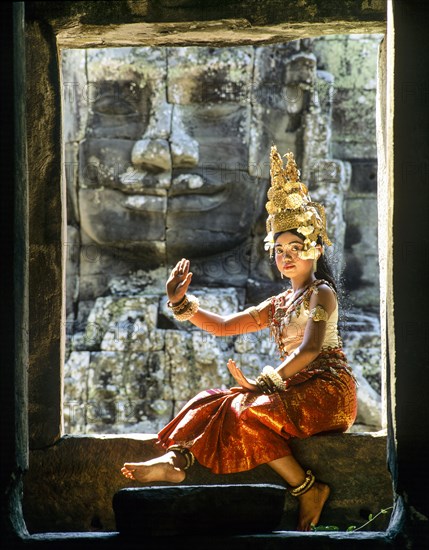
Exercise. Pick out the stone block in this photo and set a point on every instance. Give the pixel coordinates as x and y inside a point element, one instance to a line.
<point>198,509</point>
<point>71,484</point>
<point>72,247</point>
<point>74,94</point>
<point>209,75</point>
<point>127,92</point>
<point>301,70</point>
<point>351,58</point>
<point>364,176</point>
<point>361,245</point>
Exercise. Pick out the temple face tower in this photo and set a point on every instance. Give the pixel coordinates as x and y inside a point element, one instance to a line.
<point>167,155</point>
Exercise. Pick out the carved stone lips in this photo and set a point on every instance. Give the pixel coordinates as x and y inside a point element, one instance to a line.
<point>137,182</point>
<point>187,192</point>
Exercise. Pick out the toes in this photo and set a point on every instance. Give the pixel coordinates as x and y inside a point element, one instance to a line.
<point>127,471</point>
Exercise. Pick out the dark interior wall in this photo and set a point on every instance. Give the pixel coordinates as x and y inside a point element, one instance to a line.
<point>46,240</point>
<point>14,270</point>
<point>410,260</point>
<point>408,367</point>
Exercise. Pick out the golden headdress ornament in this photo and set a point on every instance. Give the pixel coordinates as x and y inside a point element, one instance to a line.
<point>289,206</point>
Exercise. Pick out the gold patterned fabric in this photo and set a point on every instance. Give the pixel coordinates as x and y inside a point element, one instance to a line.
<point>235,430</point>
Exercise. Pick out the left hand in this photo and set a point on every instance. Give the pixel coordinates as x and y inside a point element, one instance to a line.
<point>239,377</point>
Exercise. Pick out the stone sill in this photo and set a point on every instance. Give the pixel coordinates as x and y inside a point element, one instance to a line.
<point>70,485</point>
<point>274,541</point>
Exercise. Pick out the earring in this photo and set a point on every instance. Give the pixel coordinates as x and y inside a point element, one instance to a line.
<point>281,275</point>
<point>315,265</point>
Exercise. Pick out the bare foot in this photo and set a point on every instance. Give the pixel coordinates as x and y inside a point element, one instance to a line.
<point>157,469</point>
<point>311,504</point>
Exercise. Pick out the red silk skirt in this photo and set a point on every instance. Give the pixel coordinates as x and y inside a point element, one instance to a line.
<point>235,430</point>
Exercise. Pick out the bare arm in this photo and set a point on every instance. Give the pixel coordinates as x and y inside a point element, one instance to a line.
<point>218,325</point>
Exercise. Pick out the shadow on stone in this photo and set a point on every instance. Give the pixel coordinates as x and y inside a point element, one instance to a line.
<point>198,509</point>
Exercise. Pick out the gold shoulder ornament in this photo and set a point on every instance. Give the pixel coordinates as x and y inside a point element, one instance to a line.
<point>318,313</point>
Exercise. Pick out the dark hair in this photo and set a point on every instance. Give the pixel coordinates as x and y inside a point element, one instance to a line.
<point>324,270</point>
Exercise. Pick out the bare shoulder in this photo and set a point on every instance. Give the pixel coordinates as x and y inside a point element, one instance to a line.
<point>325,296</point>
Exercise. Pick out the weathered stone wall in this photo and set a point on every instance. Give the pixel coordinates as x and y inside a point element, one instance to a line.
<point>167,155</point>
<point>353,61</point>
<point>76,495</point>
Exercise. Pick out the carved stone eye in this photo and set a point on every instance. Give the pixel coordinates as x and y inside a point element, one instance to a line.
<point>112,105</point>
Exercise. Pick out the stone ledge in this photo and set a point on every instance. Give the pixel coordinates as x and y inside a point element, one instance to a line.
<point>269,541</point>
<point>70,485</point>
<point>220,33</point>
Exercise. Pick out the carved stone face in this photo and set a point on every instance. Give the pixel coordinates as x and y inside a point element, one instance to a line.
<point>164,166</point>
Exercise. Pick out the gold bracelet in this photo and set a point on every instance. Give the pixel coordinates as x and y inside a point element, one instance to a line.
<point>180,305</point>
<point>265,384</point>
<point>274,376</point>
<point>186,309</point>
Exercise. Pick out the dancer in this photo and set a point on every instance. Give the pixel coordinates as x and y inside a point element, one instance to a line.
<point>312,389</point>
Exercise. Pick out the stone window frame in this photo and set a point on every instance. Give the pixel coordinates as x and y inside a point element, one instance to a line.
<point>45,249</point>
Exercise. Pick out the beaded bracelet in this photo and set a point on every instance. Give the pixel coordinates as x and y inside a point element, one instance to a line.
<point>186,308</point>
<point>274,376</point>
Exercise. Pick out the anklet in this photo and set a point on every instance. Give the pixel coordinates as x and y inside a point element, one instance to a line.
<point>189,456</point>
<point>305,485</point>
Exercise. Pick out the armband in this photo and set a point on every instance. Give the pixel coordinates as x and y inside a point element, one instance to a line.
<point>254,313</point>
<point>318,313</point>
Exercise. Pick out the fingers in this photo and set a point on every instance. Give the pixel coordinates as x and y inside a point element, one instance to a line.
<point>232,367</point>
<point>182,267</point>
<point>187,282</point>
<point>236,372</point>
<point>180,272</point>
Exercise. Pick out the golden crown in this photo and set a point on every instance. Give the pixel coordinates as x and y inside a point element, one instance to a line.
<point>290,206</point>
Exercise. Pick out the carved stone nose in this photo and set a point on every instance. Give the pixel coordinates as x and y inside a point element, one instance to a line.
<point>152,154</point>
<point>184,151</point>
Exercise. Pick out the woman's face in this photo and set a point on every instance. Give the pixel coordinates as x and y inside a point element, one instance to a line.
<point>287,250</point>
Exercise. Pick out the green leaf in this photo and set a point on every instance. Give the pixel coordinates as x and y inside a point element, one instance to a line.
<point>351,528</point>
<point>325,528</point>
<point>370,517</point>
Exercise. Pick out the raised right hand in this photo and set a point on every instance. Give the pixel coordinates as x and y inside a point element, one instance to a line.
<point>179,281</point>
